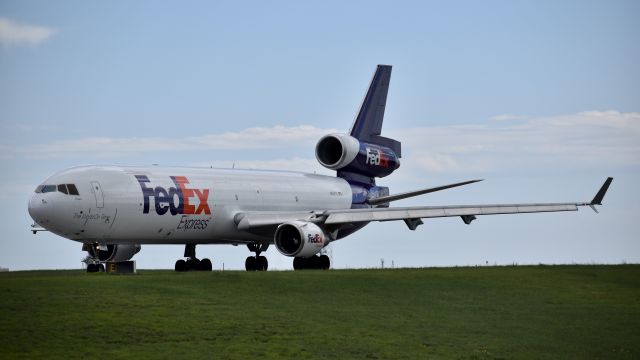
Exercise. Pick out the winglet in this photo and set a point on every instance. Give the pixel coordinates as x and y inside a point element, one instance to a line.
<point>597,200</point>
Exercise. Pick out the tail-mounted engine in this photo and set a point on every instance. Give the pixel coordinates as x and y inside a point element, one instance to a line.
<point>346,153</point>
<point>300,239</point>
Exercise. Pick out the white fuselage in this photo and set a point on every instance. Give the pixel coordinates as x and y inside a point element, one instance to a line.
<point>156,205</point>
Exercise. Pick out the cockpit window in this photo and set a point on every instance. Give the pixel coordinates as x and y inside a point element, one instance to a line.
<point>48,188</point>
<point>72,189</point>
<point>69,189</point>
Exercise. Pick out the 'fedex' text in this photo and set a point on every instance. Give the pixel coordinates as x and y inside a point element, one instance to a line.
<point>165,200</point>
<point>314,239</point>
<point>377,157</point>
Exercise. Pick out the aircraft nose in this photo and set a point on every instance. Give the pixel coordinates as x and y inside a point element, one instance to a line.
<point>38,209</point>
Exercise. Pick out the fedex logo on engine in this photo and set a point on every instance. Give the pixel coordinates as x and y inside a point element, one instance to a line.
<point>165,200</point>
<point>377,158</point>
<point>315,239</point>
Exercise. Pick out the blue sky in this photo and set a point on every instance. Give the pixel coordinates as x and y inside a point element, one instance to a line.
<point>540,98</point>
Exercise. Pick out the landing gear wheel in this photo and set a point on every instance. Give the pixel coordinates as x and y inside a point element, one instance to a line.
<point>205,265</point>
<point>299,263</point>
<point>315,263</point>
<point>263,263</point>
<point>321,262</point>
<point>192,264</point>
<point>91,268</point>
<point>325,262</point>
<point>257,263</point>
<point>181,265</point>
<point>250,264</point>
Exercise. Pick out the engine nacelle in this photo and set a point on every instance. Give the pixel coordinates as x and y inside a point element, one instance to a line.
<point>116,252</point>
<point>335,151</point>
<point>346,153</point>
<point>300,239</point>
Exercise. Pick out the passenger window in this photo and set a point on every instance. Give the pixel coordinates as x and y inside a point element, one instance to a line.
<point>62,188</point>
<point>48,188</point>
<point>72,189</point>
<point>39,189</point>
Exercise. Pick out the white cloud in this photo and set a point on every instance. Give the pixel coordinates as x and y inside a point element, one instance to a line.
<point>261,138</point>
<point>593,139</point>
<point>251,138</point>
<point>587,139</point>
<point>307,165</point>
<point>12,33</point>
<point>507,117</point>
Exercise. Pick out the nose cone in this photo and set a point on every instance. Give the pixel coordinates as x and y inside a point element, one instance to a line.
<point>37,209</point>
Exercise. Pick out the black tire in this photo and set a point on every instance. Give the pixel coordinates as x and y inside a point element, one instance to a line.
<point>181,265</point>
<point>263,263</point>
<point>325,262</point>
<point>250,264</point>
<point>205,265</point>
<point>91,268</point>
<point>299,263</point>
<point>192,264</point>
<point>312,262</point>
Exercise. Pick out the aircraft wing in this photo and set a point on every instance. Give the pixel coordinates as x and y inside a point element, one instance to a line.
<point>411,215</point>
<point>251,220</point>
<point>421,212</point>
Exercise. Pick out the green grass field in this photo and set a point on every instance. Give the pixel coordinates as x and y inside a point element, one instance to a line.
<point>478,313</point>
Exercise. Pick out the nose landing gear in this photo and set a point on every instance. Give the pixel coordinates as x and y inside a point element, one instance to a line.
<point>92,259</point>
<point>95,267</point>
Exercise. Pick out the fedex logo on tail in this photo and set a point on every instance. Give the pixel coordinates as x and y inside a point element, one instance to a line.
<point>165,200</point>
<point>377,158</point>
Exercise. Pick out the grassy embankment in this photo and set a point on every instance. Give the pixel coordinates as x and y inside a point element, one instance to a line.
<point>490,312</point>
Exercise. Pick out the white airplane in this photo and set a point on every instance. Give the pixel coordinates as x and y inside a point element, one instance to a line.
<point>112,210</point>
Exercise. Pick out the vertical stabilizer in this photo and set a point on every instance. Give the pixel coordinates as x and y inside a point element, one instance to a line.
<point>368,124</point>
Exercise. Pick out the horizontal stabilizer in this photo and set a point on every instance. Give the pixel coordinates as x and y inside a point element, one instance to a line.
<point>388,198</point>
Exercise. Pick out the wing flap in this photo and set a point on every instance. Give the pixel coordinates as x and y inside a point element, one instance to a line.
<point>388,214</point>
<point>248,220</point>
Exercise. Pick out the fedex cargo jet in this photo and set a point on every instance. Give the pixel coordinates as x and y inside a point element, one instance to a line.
<point>113,210</point>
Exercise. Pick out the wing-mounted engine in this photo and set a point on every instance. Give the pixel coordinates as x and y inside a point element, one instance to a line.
<point>348,154</point>
<point>113,252</point>
<point>300,239</point>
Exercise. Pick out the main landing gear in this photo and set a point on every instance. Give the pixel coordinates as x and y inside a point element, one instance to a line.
<point>258,262</point>
<point>192,263</point>
<point>315,262</point>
